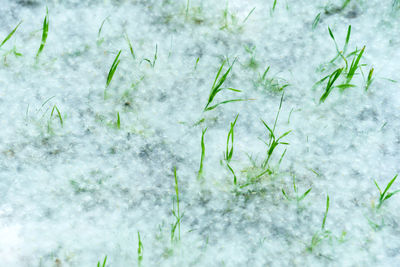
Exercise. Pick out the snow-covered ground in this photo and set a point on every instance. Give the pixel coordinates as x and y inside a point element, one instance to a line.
<point>85,167</point>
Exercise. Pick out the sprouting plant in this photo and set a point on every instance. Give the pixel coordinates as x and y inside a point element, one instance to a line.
<point>229,149</point>
<point>252,63</point>
<point>370,79</point>
<point>118,121</point>
<point>197,62</point>
<point>298,197</point>
<point>228,18</point>
<point>329,86</point>
<point>273,141</point>
<point>316,21</point>
<point>229,141</point>
<point>44,33</point>
<point>55,108</point>
<point>322,233</point>
<point>130,47</point>
<point>343,51</point>
<point>354,66</point>
<point>139,250</point>
<point>9,52</point>
<point>101,40</point>
<point>10,34</point>
<point>176,213</point>
<point>217,87</point>
<point>112,70</point>
<point>200,173</point>
<point>152,63</point>
<point>385,195</point>
<point>104,262</point>
<point>271,84</point>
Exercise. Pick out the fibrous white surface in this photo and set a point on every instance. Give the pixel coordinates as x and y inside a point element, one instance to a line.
<point>75,191</point>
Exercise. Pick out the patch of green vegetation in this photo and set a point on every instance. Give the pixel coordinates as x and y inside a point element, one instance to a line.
<point>217,87</point>
<point>322,234</point>
<point>347,72</point>
<point>385,195</point>
<point>273,84</point>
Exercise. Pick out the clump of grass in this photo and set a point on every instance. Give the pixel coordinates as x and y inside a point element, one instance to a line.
<point>104,262</point>
<point>257,171</point>
<point>354,66</point>
<point>322,233</point>
<point>217,87</point>
<point>203,149</point>
<point>45,31</point>
<point>10,34</point>
<point>329,86</point>
<point>297,197</point>
<point>271,84</point>
<point>140,250</point>
<point>54,109</point>
<point>340,53</point>
<point>112,70</point>
<point>385,195</point>
<point>152,63</point>
<point>176,212</point>
<point>229,148</point>
<point>273,141</point>
<point>347,71</point>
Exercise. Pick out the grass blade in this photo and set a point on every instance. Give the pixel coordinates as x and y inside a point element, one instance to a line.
<point>44,33</point>
<point>326,213</point>
<point>10,34</point>
<point>113,69</point>
<point>200,173</point>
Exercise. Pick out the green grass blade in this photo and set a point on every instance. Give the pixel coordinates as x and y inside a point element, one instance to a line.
<point>305,194</point>
<point>113,69</point>
<point>389,184</point>
<point>332,78</point>
<point>10,34</point>
<point>326,213</point>
<point>354,65</point>
<point>316,21</point>
<point>118,121</point>
<point>130,47</point>
<point>200,173</point>
<point>44,33</point>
